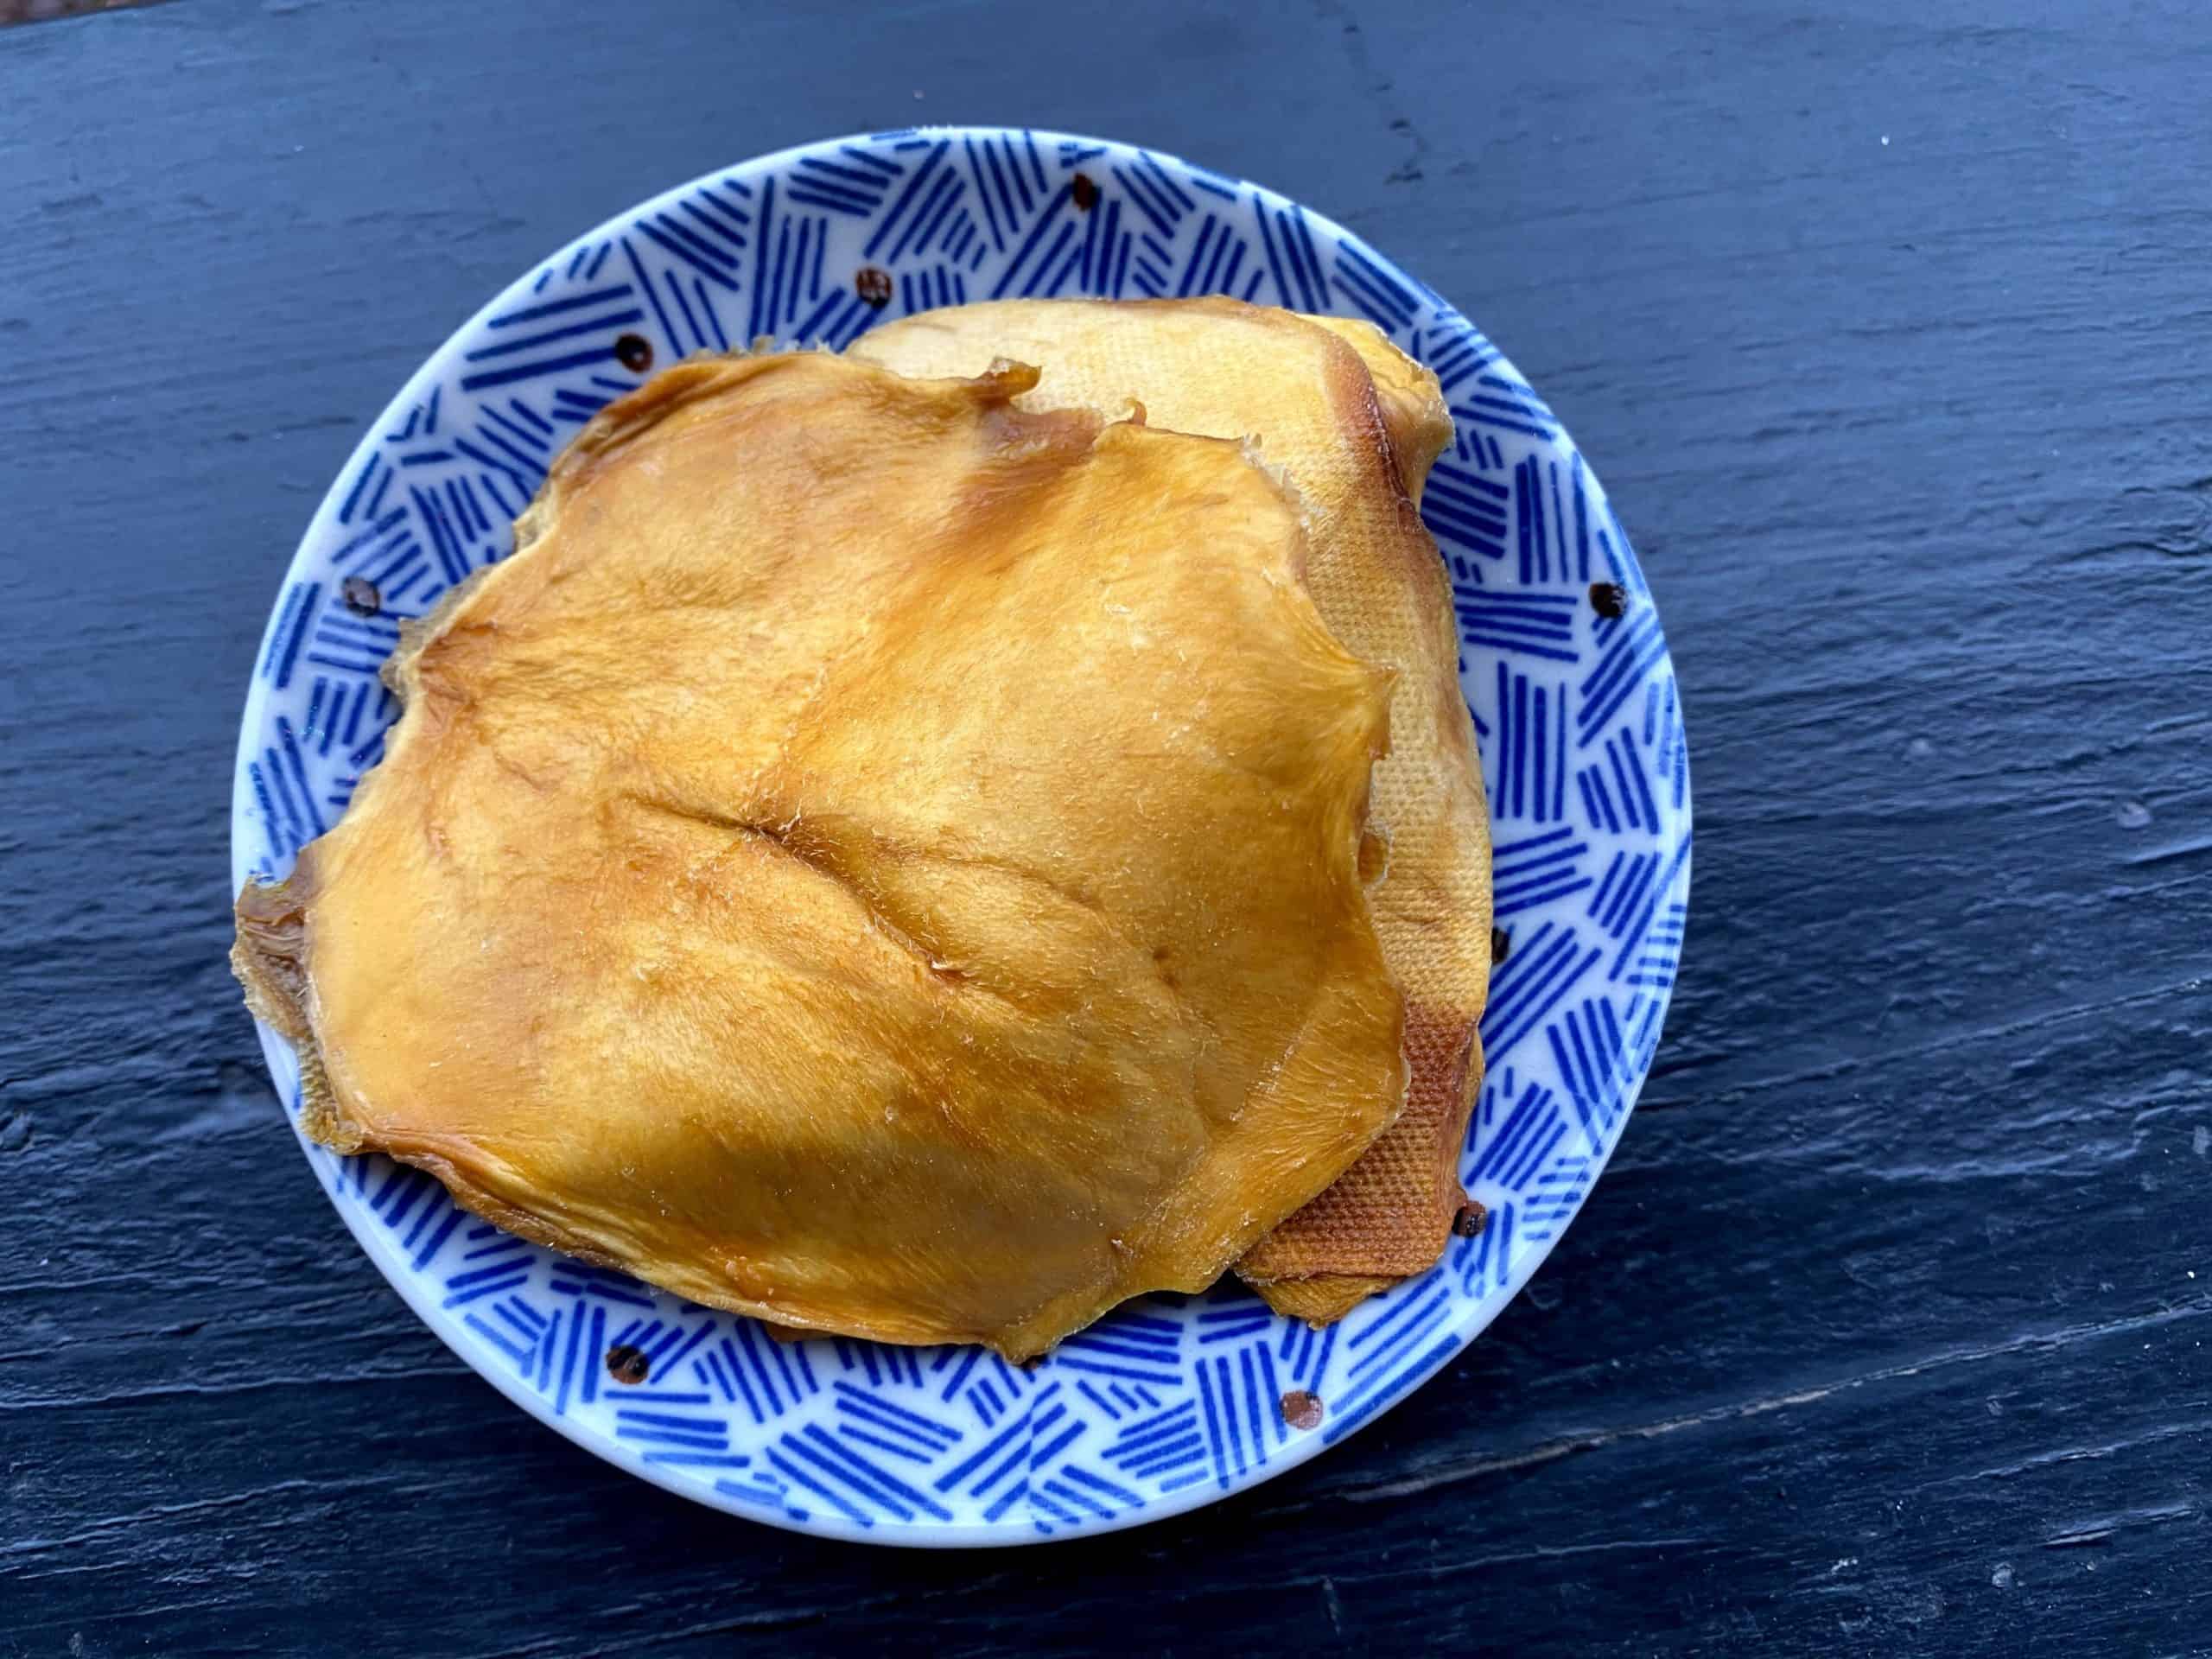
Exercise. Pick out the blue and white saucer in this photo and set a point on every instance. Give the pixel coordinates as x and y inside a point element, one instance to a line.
<point>1172,1402</point>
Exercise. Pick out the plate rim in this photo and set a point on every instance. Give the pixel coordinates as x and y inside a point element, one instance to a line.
<point>381,1250</point>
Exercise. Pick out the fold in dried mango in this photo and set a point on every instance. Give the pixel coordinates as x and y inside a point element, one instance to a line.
<point>1354,424</point>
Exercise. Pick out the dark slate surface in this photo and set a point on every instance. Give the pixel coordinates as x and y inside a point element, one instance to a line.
<point>1890,332</point>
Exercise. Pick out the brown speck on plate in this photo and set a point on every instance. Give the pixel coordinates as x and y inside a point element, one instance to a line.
<point>1084,192</point>
<point>1471,1220</point>
<point>873,284</point>
<point>1302,1410</point>
<point>1500,945</point>
<point>635,353</point>
<point>361,596</point>
<point>1608,598</point>
<point>627,1364</point>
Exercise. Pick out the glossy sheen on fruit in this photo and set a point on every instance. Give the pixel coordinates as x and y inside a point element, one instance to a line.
<point>874,858</point>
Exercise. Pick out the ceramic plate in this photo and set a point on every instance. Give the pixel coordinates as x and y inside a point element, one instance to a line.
<point>1174,1401</point>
